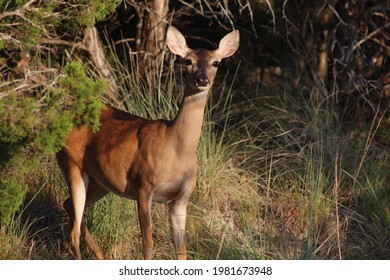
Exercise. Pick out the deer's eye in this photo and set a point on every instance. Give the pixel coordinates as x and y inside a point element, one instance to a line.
<point>188,62</point>
<point>216,63</point>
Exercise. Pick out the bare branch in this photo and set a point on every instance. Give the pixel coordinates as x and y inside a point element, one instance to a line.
<point>273,15</point>
<point>369,36</point>
<point>92,44</point>
<point>6,37</point>
<point>54,41</point>
<point>17,12</point>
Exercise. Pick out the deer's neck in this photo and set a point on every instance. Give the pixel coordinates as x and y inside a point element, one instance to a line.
<point>187,125</point>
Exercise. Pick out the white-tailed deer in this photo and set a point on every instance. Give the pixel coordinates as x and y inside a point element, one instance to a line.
<point>145,160</point>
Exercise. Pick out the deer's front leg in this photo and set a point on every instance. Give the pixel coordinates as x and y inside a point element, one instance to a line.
<point>177,216</point>
<point>145,220</point>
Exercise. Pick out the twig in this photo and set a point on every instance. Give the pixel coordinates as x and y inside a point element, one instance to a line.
<point>7,37</point>
<point>369,36</point>
<point>17,12</point>
<point>201,12</point>
<point>286,18</point>
<point>273,15</point>
<point>336,14</point>
<point>243,7</point>
<point>54,41</point>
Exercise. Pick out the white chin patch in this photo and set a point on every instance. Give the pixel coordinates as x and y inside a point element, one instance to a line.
<point>202,88</point>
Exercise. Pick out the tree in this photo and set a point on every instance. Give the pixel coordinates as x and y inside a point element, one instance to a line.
<point>40,101</point>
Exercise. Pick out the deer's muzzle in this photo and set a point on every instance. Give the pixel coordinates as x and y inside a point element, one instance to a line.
<point>202,80</point>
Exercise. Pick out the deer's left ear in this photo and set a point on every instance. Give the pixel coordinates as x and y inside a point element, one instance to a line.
<point>229,44</point>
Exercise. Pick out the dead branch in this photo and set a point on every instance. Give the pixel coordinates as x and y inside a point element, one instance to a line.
<point>369,36</point>
<point>92,44</point>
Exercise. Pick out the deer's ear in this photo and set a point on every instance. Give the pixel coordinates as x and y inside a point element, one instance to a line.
<point>229,44</point>
<point>176,42</point>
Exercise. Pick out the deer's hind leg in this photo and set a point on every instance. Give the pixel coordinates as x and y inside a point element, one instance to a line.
<point>94,193</point>
<point>77,182</point>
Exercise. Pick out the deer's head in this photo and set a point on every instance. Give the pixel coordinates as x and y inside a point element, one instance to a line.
<point>202,65</point>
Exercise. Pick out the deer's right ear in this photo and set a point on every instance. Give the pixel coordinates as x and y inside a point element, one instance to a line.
<point>176,42</point>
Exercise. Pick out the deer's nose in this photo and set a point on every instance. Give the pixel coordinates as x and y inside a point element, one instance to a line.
<point>202,80</point>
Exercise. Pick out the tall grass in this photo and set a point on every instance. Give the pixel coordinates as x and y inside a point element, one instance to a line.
<point>14,244</point>
<point>317,164</point>
<point>281,176</point>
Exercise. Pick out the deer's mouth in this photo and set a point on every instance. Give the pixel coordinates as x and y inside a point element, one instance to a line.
<point>201,86</point>
<point>202,81</point>
<point>198,83</point>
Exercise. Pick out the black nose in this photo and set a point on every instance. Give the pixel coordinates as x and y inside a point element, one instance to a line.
<point>202,80</point>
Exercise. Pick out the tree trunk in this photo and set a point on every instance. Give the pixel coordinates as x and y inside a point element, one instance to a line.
<point>92,44</point>
<point>151,35</point>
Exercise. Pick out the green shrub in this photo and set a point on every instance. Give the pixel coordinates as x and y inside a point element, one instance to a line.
<point>33,125</point>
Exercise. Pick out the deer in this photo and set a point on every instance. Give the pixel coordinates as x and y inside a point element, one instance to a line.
<point>143,160</point>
